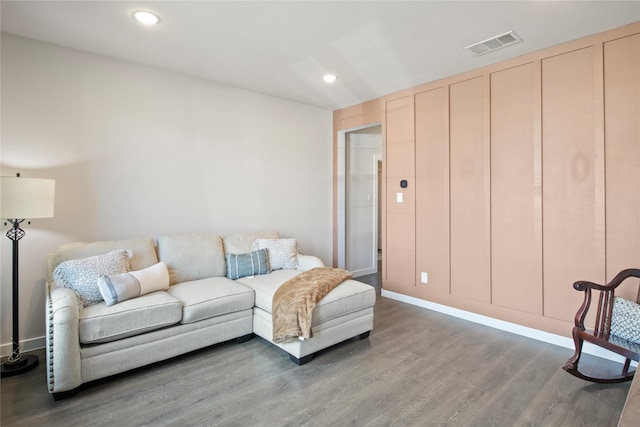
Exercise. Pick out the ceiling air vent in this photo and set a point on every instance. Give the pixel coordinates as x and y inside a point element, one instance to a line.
<point>494,43</point>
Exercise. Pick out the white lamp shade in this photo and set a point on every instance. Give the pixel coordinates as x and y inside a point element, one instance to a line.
<point>24,198</point>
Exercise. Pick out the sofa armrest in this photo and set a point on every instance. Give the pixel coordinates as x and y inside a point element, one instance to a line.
<point>631,411</point>
<point>307,262</point>
<point>64,371</point>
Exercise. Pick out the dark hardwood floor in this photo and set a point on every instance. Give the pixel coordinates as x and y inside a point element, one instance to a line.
<point>417,368</point>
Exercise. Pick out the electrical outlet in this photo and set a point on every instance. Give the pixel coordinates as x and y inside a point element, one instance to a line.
<point>424,277</point>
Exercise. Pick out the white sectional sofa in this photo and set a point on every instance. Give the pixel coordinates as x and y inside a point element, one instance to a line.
<point>199,307</point>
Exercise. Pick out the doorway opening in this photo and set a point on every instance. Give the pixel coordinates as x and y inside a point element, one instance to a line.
<point>359,199</point>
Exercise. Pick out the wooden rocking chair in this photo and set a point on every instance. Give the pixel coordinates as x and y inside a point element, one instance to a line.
<point>600,335</point>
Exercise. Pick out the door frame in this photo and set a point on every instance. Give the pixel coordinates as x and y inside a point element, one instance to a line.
<point>342,191</point>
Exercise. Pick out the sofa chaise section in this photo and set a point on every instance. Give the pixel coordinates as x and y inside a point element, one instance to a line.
<point>344,313</point>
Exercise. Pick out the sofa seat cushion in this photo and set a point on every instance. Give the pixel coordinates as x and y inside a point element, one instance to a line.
<point>348,297</point>
<point>210,297</point>
<point>99,323</point>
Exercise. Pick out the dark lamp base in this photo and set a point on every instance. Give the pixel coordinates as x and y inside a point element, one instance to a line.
<point>26,363</point>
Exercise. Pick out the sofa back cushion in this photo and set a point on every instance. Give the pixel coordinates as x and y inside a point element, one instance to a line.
<point>192,256</point>
<point>242,243</point>
<point>142,249</point>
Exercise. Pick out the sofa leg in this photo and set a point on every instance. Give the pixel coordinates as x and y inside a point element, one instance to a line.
<point>364,335</point>
<point>244,338</point>
<point>65,394</point>
<point>302,360</point>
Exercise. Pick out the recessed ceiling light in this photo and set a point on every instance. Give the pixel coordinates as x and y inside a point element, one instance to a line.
<point>145,17</point>
<point>329,78</point>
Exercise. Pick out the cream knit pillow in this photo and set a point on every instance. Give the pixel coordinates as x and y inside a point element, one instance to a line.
<point>283,253</point>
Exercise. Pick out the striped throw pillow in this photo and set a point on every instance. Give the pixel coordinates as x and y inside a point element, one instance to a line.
<point>249,264</point>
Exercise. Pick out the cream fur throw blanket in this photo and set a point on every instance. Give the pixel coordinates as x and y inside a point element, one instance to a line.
<point>294,301</point>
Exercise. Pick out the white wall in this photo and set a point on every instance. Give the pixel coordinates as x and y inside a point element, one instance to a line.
<point>139,152</point>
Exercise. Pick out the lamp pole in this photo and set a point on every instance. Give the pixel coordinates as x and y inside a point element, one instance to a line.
<point>17,363</point>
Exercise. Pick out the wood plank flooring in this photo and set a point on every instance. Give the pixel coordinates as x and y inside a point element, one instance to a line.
<point>417,368</point>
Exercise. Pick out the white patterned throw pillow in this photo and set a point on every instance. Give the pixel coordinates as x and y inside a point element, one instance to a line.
<point>625,319</point>
<point>283,253</point>
<point>82,275</point>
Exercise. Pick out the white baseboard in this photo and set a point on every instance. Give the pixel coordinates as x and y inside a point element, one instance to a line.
<point>505,326</point>
<point>27,345</point>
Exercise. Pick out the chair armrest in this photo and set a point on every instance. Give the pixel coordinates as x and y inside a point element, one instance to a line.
<point>64,371</point>
<point>583,285</point>
<point>307,262</point>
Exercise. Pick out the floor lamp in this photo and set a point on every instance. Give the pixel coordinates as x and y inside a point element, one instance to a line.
<point>22,198</point>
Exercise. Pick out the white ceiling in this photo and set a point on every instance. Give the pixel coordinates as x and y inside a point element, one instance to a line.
<point>283,48</point>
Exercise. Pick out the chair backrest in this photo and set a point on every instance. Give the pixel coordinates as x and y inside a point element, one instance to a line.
<point>602,326</point>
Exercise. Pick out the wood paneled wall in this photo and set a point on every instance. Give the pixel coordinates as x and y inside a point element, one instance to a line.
<point>572,161</point>
<point>469,186</point>
<point>523,178</point>
<point>622,152</point>
<point>401,213</point>
<point>432,188</point>
<point>516,189</point>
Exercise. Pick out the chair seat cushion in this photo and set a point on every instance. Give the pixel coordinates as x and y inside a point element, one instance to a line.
<point>210,297</point>
<point>625,319</point>
<point>99,323</point>
<point>348,297</point>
